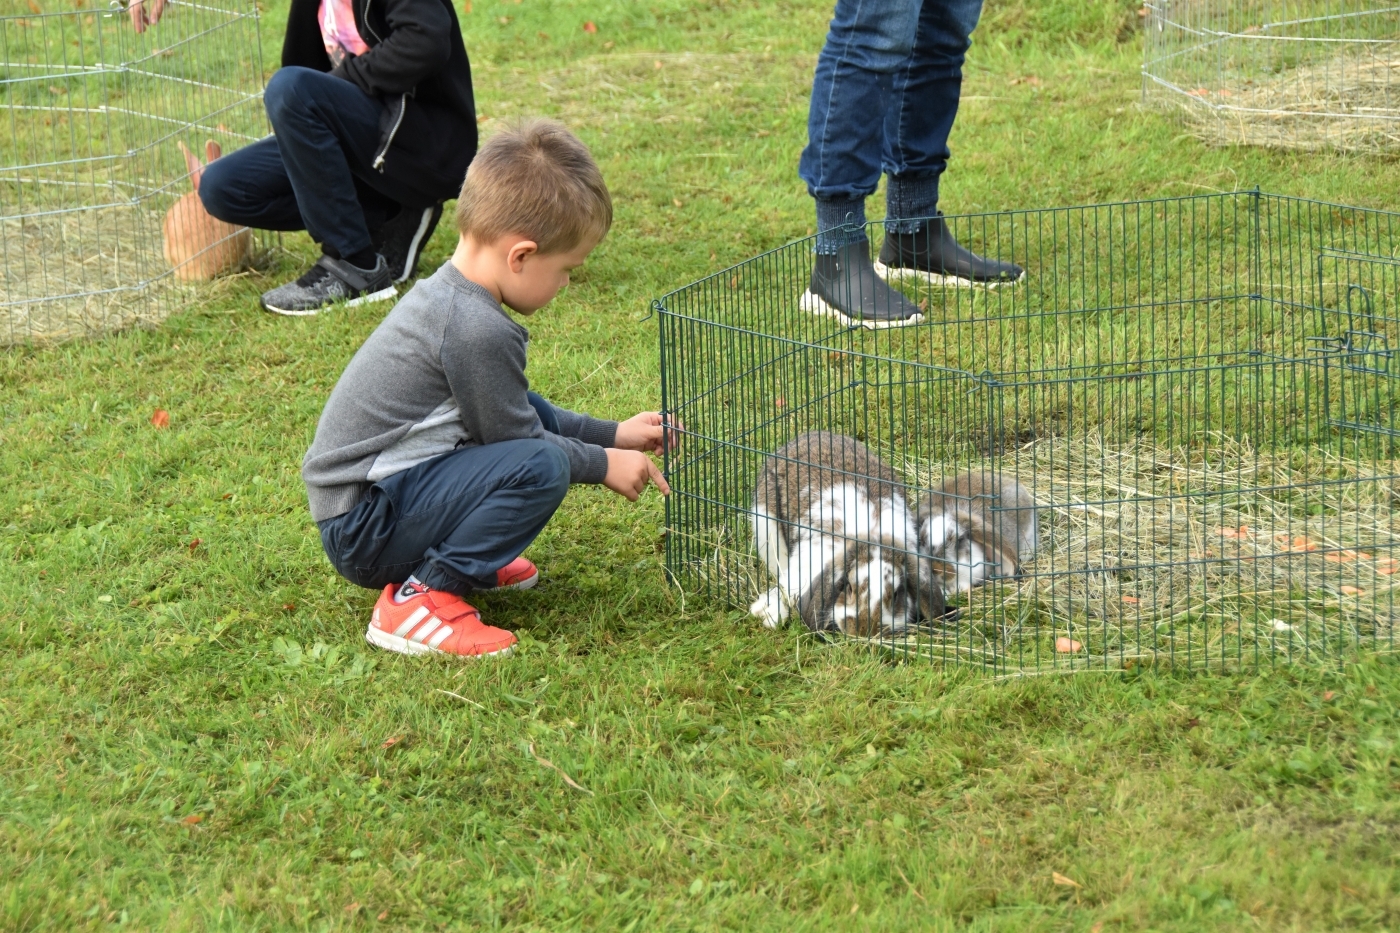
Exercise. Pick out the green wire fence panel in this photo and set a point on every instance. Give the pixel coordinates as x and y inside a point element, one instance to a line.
<point>1199,394</point>
<point>90,117</point>
<point>1293,74</point>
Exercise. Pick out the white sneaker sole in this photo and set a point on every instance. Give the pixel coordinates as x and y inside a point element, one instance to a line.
<point>391,642</point>
<point>890,274</point>
<point>384,294</point>
<point>814,303</point>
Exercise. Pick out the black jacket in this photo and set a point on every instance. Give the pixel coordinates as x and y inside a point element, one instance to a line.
<point>417,65</point>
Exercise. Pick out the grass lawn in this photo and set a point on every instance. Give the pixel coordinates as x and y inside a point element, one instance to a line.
<point>195,735</point>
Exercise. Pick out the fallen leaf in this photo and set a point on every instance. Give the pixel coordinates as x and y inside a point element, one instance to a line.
<point>1227,532</point>
<point>1131,600</point>
<point>855,907</point>
<point>227,495</point>
<point>542,35</point>
<point>589,28</point>
<point>1352,891</point>
<point>1065,645</point>
<point>466,7</point>
<point>1340,557</point>
<point>503,20</point>
<point>1098,927</point>
<point>194,544</point>
<point>1063,881</point>
<point>1198,92</point>
<point>609,44</point>
<point>383,914</point>
<point>656,64</point>
<point>193,819</point>
<point>734,282</point>
<point>677,202</point>
<point>289,607</point>
<point>351,908</point>
<point>1351,590</point>
<point>551,765</point>
<point>1224,93</point>
<point>35,8</point>
<point>391,741</point>
<point>161,418</point>
<point>780,403</point>
<point>1329,696</point>
<point>1387,569</point>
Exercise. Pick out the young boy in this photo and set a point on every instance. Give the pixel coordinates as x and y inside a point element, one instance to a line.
<point>433,465</point>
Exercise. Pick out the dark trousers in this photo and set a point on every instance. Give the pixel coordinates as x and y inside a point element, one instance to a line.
<point>315,172</point>
<point>885,93</point>
<point>455,520</point>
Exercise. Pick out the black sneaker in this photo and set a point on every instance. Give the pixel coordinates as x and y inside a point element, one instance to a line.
<point>844,286</point>
<point>328,282</point>
<point>932,255</point>
<point>402,239</point>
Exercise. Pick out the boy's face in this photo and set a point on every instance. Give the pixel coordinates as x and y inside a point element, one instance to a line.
<point>535,277</point>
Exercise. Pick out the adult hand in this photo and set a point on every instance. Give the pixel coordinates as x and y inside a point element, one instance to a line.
<point>629,471</point>
<point>649,432</point>
<point>145,13</point>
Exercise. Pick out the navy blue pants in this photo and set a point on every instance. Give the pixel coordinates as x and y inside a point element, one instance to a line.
<point>455,520</point>
<point>885,94</point>
<point>315,172</point>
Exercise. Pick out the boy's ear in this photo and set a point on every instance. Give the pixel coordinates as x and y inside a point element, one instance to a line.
<point>515,256</point>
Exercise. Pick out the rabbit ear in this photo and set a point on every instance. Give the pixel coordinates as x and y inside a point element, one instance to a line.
<point>212,150</point>
<point>191,164</point>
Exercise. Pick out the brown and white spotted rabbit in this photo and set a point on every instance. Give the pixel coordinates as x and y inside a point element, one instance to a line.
<point>831,523</point>
<point>198,245</point>
<point>978,526</point>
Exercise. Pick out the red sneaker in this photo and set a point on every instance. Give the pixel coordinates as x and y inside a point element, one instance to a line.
<point>434,621</point>
<point>519,574</point>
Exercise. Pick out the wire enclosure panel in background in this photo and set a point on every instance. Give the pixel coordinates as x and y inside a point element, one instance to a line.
<point>1200,393</point>
<point>1291,74</point>
<point>90,116</point>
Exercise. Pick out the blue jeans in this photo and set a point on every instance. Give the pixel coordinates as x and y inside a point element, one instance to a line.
<point>884,97</point>
<point>314,173</point>
<point>455,520</point>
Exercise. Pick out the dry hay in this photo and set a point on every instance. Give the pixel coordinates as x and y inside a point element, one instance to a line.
<point>1349,102</point>
<point>1211,555</point>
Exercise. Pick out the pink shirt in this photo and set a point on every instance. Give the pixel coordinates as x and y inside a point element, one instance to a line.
<point>338,31</point>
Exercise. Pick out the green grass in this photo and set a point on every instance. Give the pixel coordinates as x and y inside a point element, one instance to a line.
<point>736,778</point>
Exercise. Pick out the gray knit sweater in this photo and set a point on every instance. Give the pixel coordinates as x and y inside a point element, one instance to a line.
<point>445,369</point>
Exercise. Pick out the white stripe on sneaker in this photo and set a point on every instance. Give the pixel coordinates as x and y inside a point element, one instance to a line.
<point>440,636</point>
<point>416,616</point>
<point>428,628</point>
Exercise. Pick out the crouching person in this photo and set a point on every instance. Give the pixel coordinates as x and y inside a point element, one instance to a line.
<point>433,465</point>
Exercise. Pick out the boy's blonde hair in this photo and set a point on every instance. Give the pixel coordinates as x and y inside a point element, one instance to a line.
<point>537,180</point>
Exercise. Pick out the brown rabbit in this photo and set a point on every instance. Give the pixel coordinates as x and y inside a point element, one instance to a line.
<point>197,245</point>
<point>831,523</point>
<point>977,526</point>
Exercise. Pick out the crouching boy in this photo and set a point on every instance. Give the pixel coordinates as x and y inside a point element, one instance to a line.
<point>433,465</point>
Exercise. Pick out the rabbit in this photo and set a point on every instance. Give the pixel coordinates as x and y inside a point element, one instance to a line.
<point>831,523</point>
<point>197,245</point>
<point>976,526</point>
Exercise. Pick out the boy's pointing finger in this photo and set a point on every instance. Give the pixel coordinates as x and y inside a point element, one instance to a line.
<point>658,479</point>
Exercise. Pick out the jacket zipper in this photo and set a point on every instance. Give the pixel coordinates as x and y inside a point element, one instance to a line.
<point>393,131</point>
<point>365,17</point>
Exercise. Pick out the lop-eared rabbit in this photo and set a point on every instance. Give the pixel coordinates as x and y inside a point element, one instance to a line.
<point>198,245</point>
<point>831,522</point>
<point>978,526</point>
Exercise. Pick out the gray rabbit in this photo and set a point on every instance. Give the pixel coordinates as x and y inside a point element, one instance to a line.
<point>978,526</point>
<point>831,523</point>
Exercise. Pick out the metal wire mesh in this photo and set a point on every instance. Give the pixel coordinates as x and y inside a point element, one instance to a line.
<point>1199,393</point>
<point>90,116</point>
<point>1293,74</point>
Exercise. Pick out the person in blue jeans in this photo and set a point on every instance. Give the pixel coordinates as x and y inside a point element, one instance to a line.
<point>884,98</point>
<point>374,125</point>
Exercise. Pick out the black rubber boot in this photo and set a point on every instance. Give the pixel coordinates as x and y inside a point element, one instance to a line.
<point>845,286</point>
<point>932,255</point>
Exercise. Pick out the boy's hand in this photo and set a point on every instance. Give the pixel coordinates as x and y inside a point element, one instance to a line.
<point>629,471</point>
<point>649,432</point>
